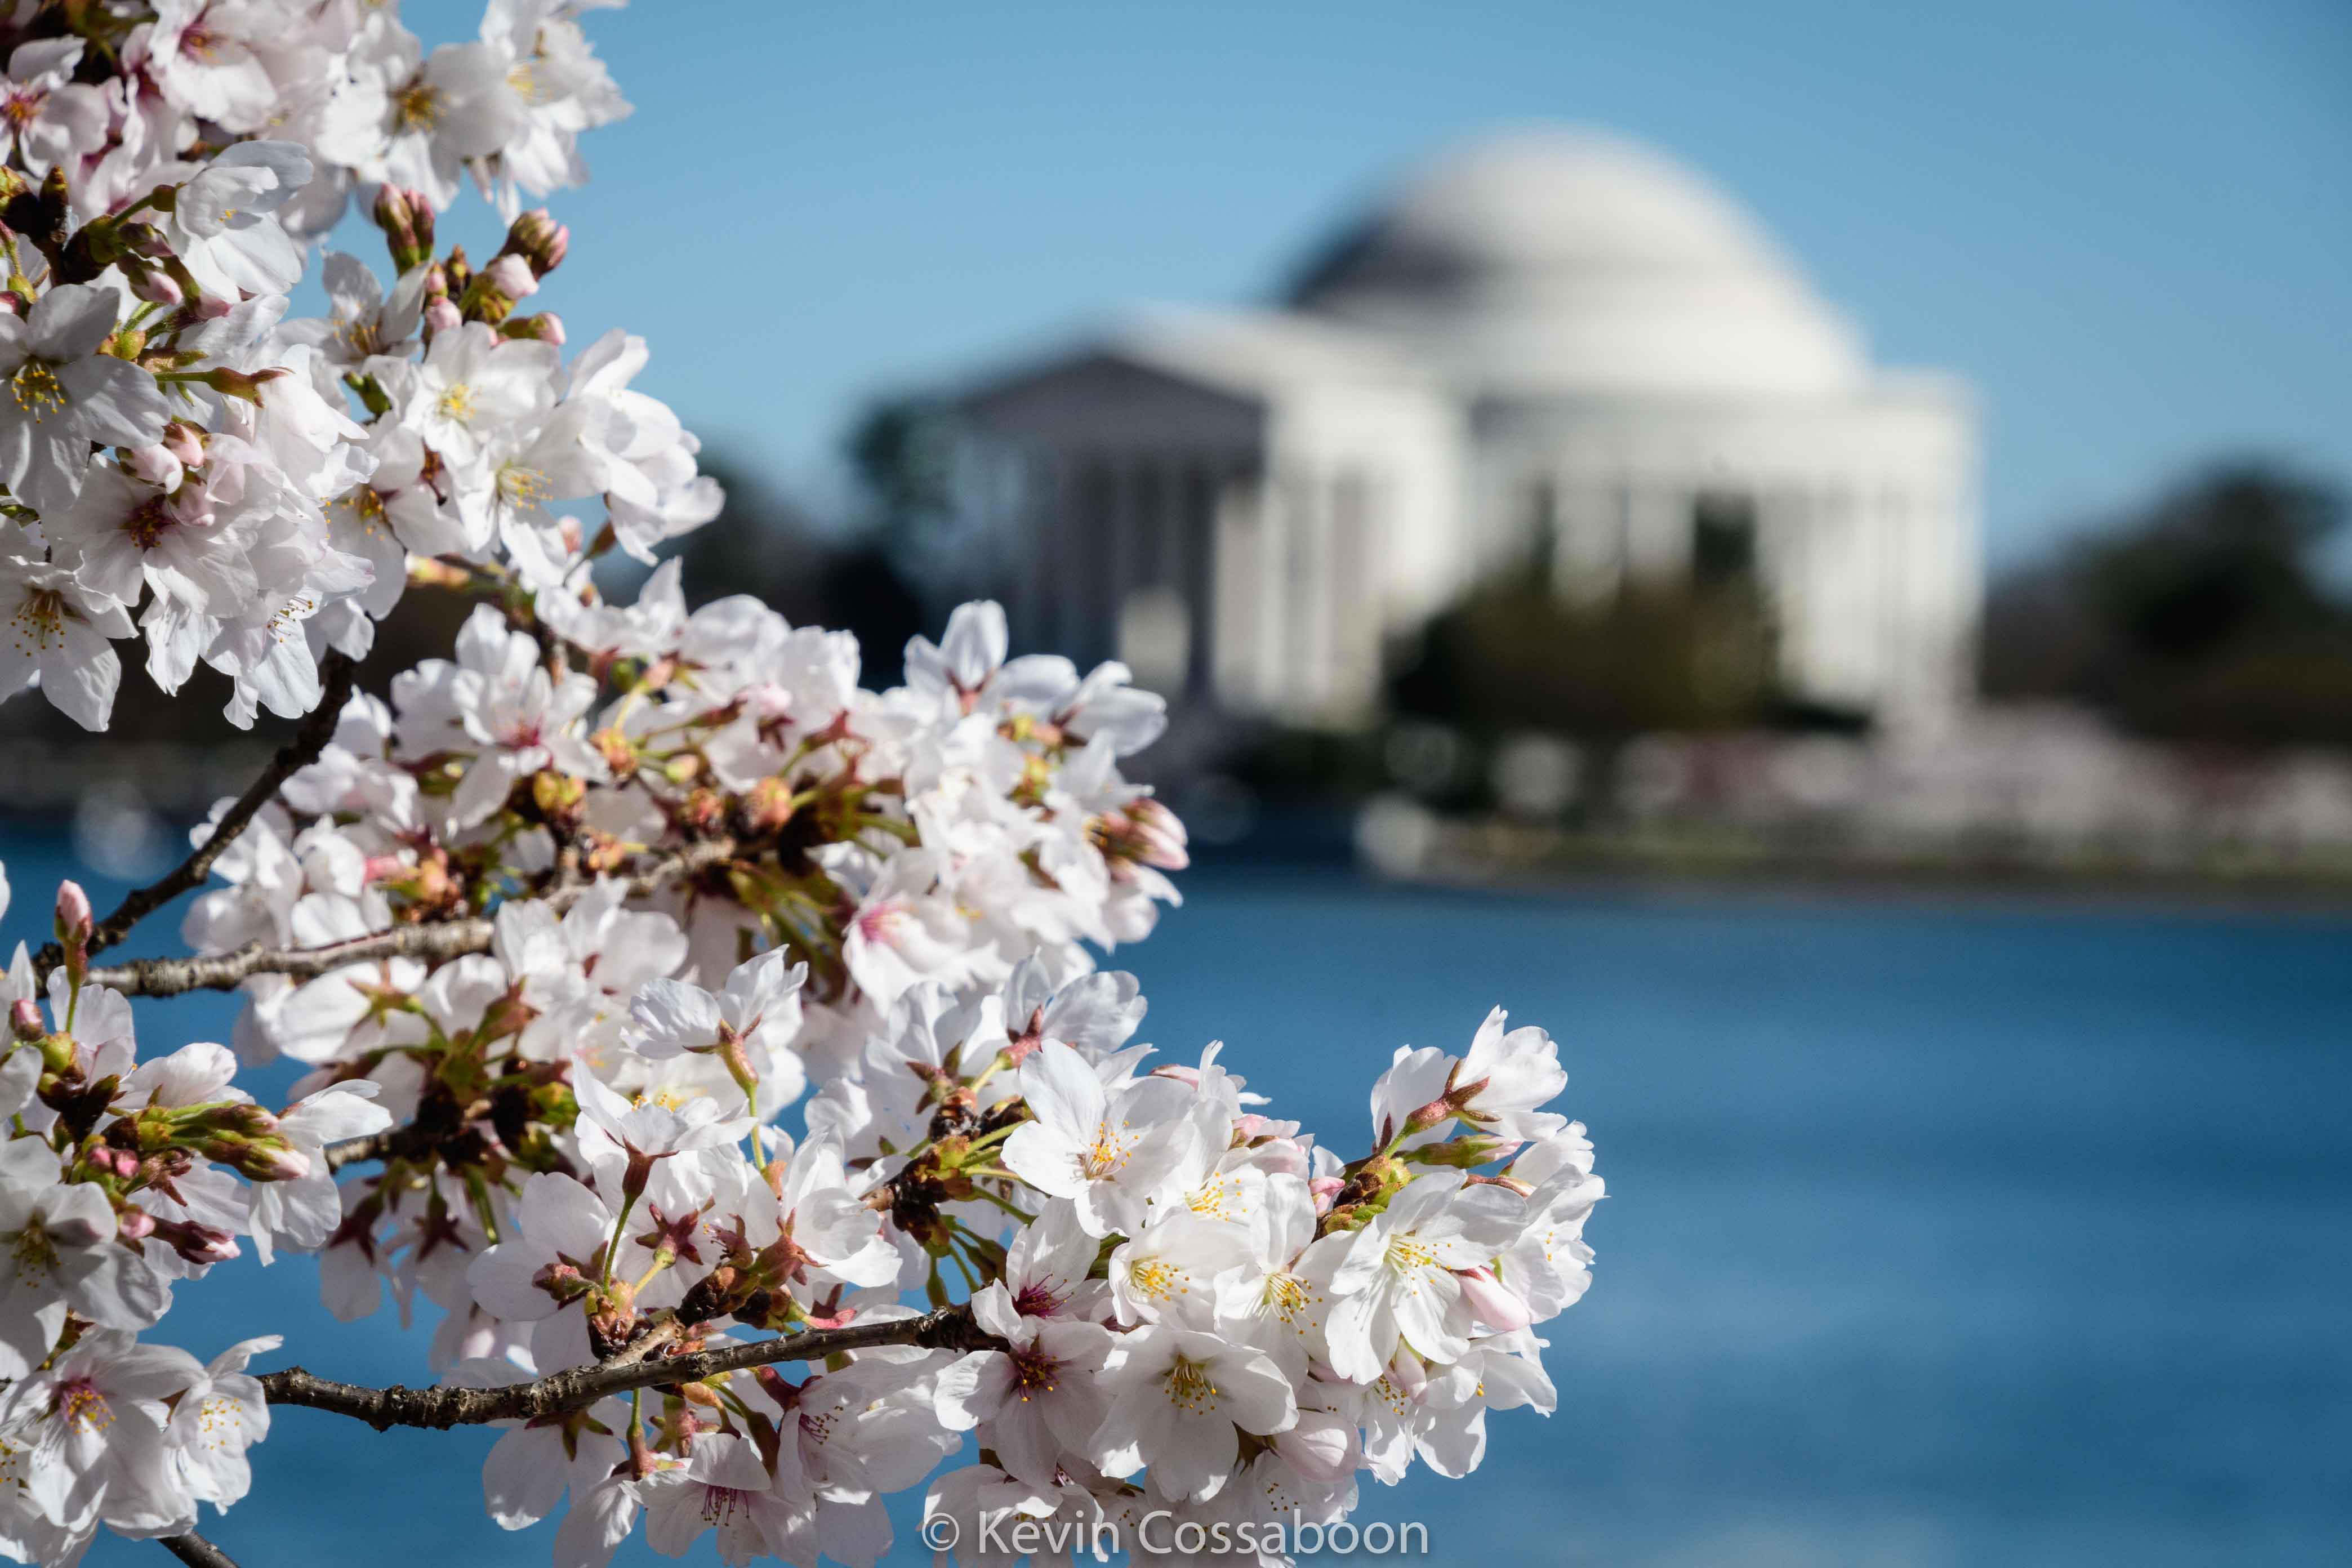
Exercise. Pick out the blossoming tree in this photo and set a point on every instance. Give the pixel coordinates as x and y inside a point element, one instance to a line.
<point>562,926</point>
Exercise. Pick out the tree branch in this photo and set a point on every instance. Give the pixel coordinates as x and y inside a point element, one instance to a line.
<point>311,739</point>
<point>196,1551</point>
<point>950,1328</point>
<point>434,941</point>
<point>392,1143</point>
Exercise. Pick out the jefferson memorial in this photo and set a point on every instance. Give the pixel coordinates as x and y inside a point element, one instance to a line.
<point>1550,346</point>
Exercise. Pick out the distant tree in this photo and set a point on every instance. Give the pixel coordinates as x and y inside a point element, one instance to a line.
<point>900,450</point>
<point>1514,655</point>
<point>2205,616</point>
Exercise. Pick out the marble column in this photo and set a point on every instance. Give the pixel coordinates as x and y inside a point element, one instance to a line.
<point>1239,579</point>
<point>1785,545</point>
<point>1588,562</point>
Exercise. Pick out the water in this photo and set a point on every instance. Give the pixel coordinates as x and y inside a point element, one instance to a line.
<point>1939,1233</point>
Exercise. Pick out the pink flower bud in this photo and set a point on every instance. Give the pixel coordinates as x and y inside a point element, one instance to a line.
<point>207,1245</point>
<point>25,1020</point>
<point>407,219</point>
<point>392,209</point>
<point>157,465</point>
<point>134,1224</point>
<point>1147,833</point>
<point>1495,1304</point>
<point>1436,1112</point>
<point>237,384</point>
<point>512,275</point>
<point>199,1244</point>
<point>73,910</point>
<point>157,287</point>
<point>273,1162</point>
<point>184,443</point>
<point>539,239</point>
<point>251,1121</point>
<point>1161,832</point>
<point>440,316</point>
<point>75,924</point>
<point>545,327</point>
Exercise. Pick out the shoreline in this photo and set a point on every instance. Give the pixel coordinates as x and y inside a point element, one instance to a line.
<point>1498,856</point>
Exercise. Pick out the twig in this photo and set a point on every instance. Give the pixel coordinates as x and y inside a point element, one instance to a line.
<point>171,976</point>
<point>298,753</point>
<point>392,1143</point>
<point>433,941</point>
<point>403,1142</point>
<point>950,1328</point>
<point>196,1551</point>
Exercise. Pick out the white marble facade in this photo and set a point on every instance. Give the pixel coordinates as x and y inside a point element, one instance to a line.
<point>1548,335</point>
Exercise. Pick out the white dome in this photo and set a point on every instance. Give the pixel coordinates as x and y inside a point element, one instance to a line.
<point>1553,260</point>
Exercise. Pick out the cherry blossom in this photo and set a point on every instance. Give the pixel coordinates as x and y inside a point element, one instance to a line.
<point>92,1429</point>
<point>1104,1147</point>
<point>63,394</point>
<point>46,117</point>
<point>1397,1282</point>
<point>559,931</point>
<point>56,634</point>
<point>1179,1398</point>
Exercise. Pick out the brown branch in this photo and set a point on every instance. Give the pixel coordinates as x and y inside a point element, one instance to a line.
<point>224,972</point>
<point>403,1142</point>
<point>434,941</point>
<point>196,1551</point>
<point>648,1344</point>
<point>392,1143</point>
<point>950,1328</point>
<point>340,670</point>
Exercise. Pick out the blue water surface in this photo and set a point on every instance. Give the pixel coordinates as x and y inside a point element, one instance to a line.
<point>1940,1232</point>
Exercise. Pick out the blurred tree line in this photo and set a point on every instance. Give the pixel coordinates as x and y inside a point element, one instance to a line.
<point>1692,654</point>
<point>2208,615</point>
<point>1515,655</point>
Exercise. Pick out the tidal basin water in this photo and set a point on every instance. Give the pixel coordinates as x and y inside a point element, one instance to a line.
<point>1940,1232</point>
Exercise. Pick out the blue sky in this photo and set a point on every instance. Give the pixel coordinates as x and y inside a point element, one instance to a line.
<point>2129,224</point>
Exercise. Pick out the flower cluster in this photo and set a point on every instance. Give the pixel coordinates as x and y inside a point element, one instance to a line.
<point>184,461</point>
<point>122,1179</point>
<point>562,926</point>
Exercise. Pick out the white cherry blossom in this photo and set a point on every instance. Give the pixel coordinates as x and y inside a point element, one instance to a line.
<point>1397,1282</point>
<point>62,395</point>
<point>1106,1148</point>
<point>46,117</point>
<point>575,913</point>
<point>1179,1398</point>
